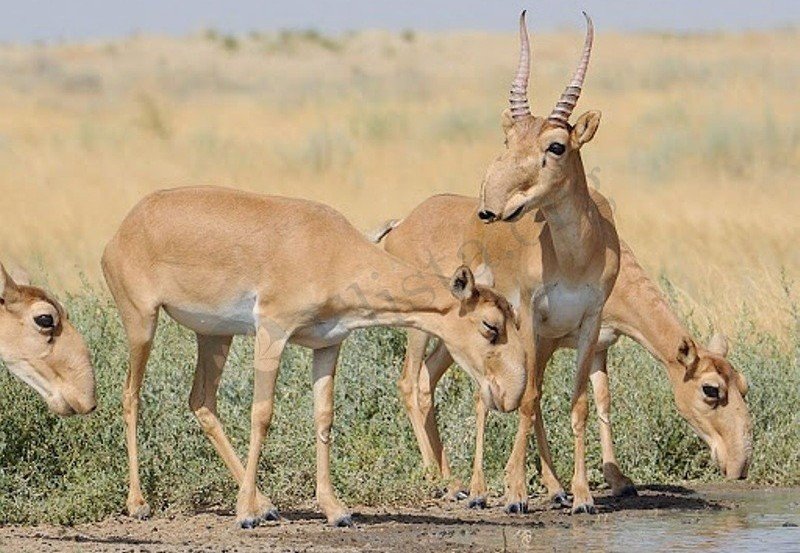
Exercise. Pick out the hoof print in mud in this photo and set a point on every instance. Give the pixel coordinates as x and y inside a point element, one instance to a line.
<point>518,508</point>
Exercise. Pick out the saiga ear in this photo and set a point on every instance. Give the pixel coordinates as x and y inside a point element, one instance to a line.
<point>687,355</point>
<point>741,383</point>
<point>584,128</point>
<point>8,288</point>
<point>462,284</point>
<point>718,345</point>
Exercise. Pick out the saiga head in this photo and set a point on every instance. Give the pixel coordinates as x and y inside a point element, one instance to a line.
<point>542,155</point>
<point>709,394</point>
<point>41,347</point>
<point>482,335</point>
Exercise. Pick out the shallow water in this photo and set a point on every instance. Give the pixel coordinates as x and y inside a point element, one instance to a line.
<point>718,520</point>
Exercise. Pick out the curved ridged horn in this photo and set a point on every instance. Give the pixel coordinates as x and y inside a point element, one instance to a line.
<point>518,97</point>
<point>569,98</point>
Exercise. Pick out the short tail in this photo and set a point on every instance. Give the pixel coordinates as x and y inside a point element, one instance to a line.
<point>377,234</point>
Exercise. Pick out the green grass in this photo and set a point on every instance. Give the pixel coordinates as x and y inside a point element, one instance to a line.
<point>71,470</point>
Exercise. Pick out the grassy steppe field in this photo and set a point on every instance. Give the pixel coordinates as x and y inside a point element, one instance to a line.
<point>699,150</point>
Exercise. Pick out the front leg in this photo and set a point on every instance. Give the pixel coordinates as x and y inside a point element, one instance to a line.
<point>270,341</point>
<point>587,342</point>
<point>539,352</point>
<point>324,373</point>
<point>477,485</point>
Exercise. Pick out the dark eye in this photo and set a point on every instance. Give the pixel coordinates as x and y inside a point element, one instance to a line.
<point>492,330</point>
<point>556,148</point>
<point>44,321</point>
<point>710,391</point>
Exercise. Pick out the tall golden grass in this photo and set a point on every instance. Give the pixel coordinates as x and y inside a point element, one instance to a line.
<point>699,146</point>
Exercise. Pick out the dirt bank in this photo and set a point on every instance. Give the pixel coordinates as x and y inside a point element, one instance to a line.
<point>434,526</point>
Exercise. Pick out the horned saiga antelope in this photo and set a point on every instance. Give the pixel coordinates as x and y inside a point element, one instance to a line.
<point>223,262</point>
<point>708,391</point>
<point>541,169</point>
<point>40,346</point>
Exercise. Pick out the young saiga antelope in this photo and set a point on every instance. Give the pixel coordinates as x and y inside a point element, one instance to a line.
<point>40,346</point>
<point>709,392</point>
<point>224,262</point>
<point>541,169</point>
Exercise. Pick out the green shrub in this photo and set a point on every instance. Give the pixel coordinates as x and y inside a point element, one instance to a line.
<point>70,470</point>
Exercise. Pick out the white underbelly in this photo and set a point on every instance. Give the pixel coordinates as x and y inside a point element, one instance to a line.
<point>559,311</point>
<point>223,320</point>
<point>322,334</point>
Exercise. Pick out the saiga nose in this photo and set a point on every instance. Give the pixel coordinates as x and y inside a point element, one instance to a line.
<point>486,215</point>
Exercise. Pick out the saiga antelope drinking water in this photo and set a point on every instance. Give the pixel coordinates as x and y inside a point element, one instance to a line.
<point>40,346</point>
<point>224,262</point>
<point>708,390</point>
<point>541,169</point>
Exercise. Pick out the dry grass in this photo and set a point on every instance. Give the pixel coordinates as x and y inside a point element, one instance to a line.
<point>699,145</point>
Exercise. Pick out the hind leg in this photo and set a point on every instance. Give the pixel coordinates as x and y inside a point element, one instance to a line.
<point>212,351</point>
<point>620,484</point>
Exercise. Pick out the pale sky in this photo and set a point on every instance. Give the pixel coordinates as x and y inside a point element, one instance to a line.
<point>29,20</point>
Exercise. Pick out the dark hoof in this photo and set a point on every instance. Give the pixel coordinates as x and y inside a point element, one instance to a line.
<point>345,521</point>
<point>627,491</point>
<point>518,508</point>
<point>561,500</point>
<point>271,515</point>
<point>249,523</point>
<point>586,508</point>
<point>477,503</point>
<point>461,495</point>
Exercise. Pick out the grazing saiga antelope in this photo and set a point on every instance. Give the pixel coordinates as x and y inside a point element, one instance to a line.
<point>564,293</point>
<point>40,346</point>
<point>225,262</point>
<point>708,391</point>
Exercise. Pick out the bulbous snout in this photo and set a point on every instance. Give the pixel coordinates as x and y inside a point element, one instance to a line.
<point>505,395</point>
<point>69,401</point>
<point>732,467</point>
<point>501,400</point>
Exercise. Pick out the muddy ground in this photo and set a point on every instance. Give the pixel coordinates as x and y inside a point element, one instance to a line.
<point>435,526</point>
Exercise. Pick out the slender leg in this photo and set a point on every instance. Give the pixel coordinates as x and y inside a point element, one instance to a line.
<point>620,484</point>
<point>529,415</point>
<point>212,351</point>
<point>270,341</point>
<point>477,484</point>
<point>417,385</point>
<point>555,490</point>
<point>587,341</point>
<point>140,328</point>
<point>409,390</point>
<point>431,372</point>
<point>324,373</point>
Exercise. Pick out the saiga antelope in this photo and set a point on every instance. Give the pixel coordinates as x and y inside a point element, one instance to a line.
<point>40,346</point>
<point>541,169</point>
<point>708,390</point>
<point>224,262</point>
